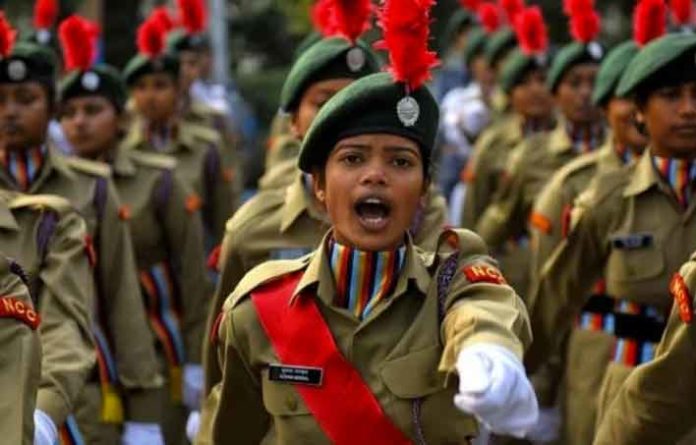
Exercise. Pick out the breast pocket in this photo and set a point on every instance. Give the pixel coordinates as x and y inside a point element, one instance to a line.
<point>634,260</point>
<point>422,400</point>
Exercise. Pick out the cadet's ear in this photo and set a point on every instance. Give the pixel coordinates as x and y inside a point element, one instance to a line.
<point>319,186</point>
<point>294,127</point>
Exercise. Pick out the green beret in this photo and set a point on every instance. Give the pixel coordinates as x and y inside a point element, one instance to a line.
<point>30,62</point>
<point>459,21</point>
<point>332,58</point>
<point>571,55</point>
<point>665,61</point>
<point>516,66</point>
<point>179,40</point>
<point>100,80</point>
<point>611,70</point>
<point>306,43</point>
<point>499,44</point>
<point>475,45</point>
<point>141,65</point>
<point>373,104</point>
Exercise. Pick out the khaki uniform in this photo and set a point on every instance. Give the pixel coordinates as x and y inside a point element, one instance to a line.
<point>657,402</point>
<point>280,176</point>
<point>404,333</point>
<point>529,167</point>
<point>121,313</point>
<point>588,352</point>
<point>199,165</point>
<point>60,278</point>
<point>628,227</point>
<point>284,147</point>
<point>20,372</point>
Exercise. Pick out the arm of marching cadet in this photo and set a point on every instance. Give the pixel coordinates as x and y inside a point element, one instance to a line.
<point>137,364</point>
<point>477,177</point>
<point>656,404</point>
<point>66,299</point>
<point>222,197</point>
<point>485,332</point>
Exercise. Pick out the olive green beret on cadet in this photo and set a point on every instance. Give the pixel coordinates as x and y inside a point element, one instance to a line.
<point>82,77</point>
<point>612,69</point>
<point>460,21</point>
<point>330,58</point>
<point>499,45</point>
<point>191,35</point>
<point>29,62</point>
<point>373,104</point>
<point>475,45</point>
<point>669,60</point>
<point>152,55</point>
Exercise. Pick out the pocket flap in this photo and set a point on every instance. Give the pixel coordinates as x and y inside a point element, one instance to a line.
<point>415,374</point>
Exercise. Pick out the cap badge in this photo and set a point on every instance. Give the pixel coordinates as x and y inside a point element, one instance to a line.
<point>43,36</point>
<point>408,111</point>
<point>17,70</point>
<point>91,81</point>
<point>355,58</point>
<point>595,50</point>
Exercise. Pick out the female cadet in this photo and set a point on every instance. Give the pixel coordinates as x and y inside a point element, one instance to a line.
<point>167,237</point>
<point>635,226</point>
<point>367,300</point>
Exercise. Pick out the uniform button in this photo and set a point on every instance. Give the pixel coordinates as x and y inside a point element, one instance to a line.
<point>291,403</point>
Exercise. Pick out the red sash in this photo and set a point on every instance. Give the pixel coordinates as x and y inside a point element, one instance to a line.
<point>344,406</point>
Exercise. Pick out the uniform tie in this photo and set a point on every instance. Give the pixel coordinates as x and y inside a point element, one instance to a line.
<point>23,166</point>
<point>363,279</point>
<point>679,175</point>
<point>585,138</point>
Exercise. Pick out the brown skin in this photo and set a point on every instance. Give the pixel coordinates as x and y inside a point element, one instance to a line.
<point>189,69</point>
<point>312,100</point>
<point>669,116</point>
<point>381,166</point>
<point>91,124</point>
<point>482,74</point>
<point>621,118</point>
<point>25,112</point>
<point>531,98</point>
<point>156,97</point>
<point>574,95</point>
<point>206,64</point>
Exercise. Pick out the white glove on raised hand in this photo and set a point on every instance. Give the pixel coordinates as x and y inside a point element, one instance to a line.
<point>45,431</point>
<point>193,386</point>
<point>193,424</point>
<point>494,388</point>
<point>136,433</point>
<point>548,426</point>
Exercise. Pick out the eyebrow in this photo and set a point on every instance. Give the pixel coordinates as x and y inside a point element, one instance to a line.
<point>392,148</point>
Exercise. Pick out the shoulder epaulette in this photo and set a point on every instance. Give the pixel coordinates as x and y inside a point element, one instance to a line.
<point>202,133</point>
<point>578,165</point>
<point>152,160</point>
<point>56,203</point>
<point>257,207</point>
<point>92,168</point>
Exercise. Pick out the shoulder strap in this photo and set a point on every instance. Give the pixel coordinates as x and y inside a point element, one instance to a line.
<point>344,406</point>
<point>447,269</point>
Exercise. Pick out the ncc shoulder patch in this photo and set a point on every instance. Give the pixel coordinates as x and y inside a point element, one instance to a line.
<point>13,308</point>
<point>483,273</point>
<point>193,203</point>
<point>540,222</point>
<point>682,297</point>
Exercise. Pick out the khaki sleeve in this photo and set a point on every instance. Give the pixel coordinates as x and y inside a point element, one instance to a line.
<point>481,308</point>
<point>21,362</point>
<point>240,416</point>
<point>184,232</point>
<point>433,219</point>
<point>66,296</point>
<point>137,364</point>
<point>482,180</point>
<point>656,404</point>
<point>222,197</point>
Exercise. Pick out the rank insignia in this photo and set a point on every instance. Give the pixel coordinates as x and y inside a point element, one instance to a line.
<point>484,273</point>
<point>682,297</point>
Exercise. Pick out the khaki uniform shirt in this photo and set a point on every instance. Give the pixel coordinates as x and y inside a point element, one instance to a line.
<point>60,277</point>
<point>656,404</point>
<point>165,232</point>
<point>200,167</point>
<point>279,176</point>
<point>117,284</point>
<point>283,148</point>
<point>403,333</point>
<point>20,372</point>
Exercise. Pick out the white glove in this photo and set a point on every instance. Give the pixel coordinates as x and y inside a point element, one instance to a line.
<point>193,386</point>
<point>136,433</point>
<point>192,425</point>
<point>494,388</point>
<point>45,431</point>
<point>548,426</point>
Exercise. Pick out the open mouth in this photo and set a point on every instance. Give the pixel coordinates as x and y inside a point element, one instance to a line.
<point>373,213</point>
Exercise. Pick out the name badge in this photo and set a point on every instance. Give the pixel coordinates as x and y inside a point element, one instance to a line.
<point>302,375</point>
<point>631,242</point>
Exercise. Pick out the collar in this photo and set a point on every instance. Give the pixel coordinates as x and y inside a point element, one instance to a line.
<point>298,201</point>
<point>559,141</point>
<point>318,273</point>
<point>122,164</point>
<point>644,176</point>
<point>7,219</point>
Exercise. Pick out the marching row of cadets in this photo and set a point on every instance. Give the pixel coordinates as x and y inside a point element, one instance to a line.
<point>345,311</point>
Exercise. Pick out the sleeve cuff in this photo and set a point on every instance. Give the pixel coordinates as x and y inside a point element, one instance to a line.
<point>144,405</point>
<point>54,405</point>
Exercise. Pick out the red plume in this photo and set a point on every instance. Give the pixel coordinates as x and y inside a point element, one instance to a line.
<point>161,14</point>
<point>193,15</point>
<point>489,16</point>
<point>573,7</point>
<point>323,17</point>
<point>406,28</point>
<point>531,31</point>
<point>649,20</point>
<point>45,13</point>
<point>512,8</point>
<point>352,17</point>
<point>7,36</point>
<point>471,5</point>
<point>151,37</point>
<point>78,40</point>
<point>681,11</point>
<point>584,27</point>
